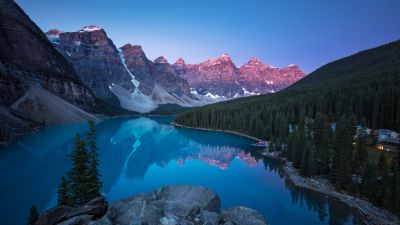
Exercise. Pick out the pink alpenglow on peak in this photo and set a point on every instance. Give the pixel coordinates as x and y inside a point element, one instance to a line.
<point>54,32</point>
<point>180,61</point>
<point>161,60</point>
<point>90,28</point>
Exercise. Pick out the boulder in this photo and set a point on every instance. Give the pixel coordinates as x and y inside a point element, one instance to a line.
<point>96,208</point>
<point>243,216</point>
<point>171,205</point>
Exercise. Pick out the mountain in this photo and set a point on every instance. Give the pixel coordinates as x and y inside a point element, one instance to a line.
<point>142,85</point>
<point>262,78</point>
<point>122,75</point>
<point>34,78</point>
<point>94,57</point>
<point>220,77</point>
<point>363,86</point>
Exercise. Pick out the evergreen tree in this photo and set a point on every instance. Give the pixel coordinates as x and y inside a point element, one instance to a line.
<point>321,131</point>
<point>369,183</point>
<point>33,215</point>
<point>78,175</point>
<point>341,168</point>
<point>63,192</point>
<point>304,162</point>
<point>94,185</point>
<point>360,155</point>
<point>312,167</point>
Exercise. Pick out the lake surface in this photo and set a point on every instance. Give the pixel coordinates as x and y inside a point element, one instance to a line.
<point>143,153</point>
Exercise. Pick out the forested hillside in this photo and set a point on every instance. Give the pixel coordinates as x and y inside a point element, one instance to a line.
<point>362,89</point>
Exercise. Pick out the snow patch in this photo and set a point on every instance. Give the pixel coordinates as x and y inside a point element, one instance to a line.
<point>133,80</point>
<point>68,53</point>
<point>135,101</point>
<point>247,93</point>
<point>77,42</point>
<point>90,28</point>
<point>269,82</point>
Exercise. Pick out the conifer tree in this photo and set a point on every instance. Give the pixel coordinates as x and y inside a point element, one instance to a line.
<point>341,169</point>
<point>63,192</point>
<point>33,215</point>
<point>78,175</point>
<point>321,139</point>
<point>94,185</point>
<point>312,167</point>
<point>369,183</point>
<point>360,155</point>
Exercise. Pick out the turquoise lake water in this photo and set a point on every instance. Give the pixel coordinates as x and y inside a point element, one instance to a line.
<point>140,154</point>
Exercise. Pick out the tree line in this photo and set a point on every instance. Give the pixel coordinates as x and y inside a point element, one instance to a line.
<point>363,89</point>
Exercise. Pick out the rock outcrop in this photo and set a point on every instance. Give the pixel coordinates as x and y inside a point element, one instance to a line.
<point>171,205</point>
<point>94,57</point>
<point>27,58</point>
<point>94,209</point>
<point>220,77</point>
<point>152,74</point>
<point>126,73</point>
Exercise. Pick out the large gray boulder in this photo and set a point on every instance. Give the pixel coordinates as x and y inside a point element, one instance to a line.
<point>171,205</point>
<point>94,209</point>
<point>243,216</point>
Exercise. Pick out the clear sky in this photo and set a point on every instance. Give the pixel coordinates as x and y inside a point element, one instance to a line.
<point>309,33</point>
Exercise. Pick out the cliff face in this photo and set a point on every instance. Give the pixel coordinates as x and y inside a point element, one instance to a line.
<point>94,57</point>
<point>28,59</point>
<point>220,76</point>
<point>259,77</point>
<point>26,55</point>
<point>152,74</point>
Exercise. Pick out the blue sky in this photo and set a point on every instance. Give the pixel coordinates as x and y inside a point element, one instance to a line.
<point>309,33</point>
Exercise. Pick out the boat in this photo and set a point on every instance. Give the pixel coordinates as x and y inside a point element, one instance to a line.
<point>261,144</point>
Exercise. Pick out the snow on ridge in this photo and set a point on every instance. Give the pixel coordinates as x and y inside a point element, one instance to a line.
<point>133,80</point>
<point>247,93</point>
<point>90,28</point>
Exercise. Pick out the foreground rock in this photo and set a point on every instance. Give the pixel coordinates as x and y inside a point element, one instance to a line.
<point>94,209</point>
<point>171,205</point>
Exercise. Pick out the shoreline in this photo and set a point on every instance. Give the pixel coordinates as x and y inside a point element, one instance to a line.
<point>366,211</point>
<point>225,131</point>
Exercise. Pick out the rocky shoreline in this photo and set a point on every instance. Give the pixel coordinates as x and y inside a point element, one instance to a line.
<point>170,205</point>
<point>367,212</point>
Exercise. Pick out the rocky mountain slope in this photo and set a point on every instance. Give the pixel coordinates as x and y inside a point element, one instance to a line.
<point>171,205</point>
<point>27,59</point>
<point>138,83</point>
<point>220,77</point>
<point>141,84</point>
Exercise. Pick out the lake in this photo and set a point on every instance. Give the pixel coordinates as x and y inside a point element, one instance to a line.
<point>140,154</point>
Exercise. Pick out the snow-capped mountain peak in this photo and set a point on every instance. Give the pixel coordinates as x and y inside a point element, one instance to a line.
<point>54,32</point>
<point>90,28</point>
<point>161,60</point>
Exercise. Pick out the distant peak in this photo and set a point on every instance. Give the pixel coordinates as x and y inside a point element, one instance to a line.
<point>90,28</point>
<point>54,32</point>
<point>225,55</point>
<point>161,60</point>
<point>180,61</point>
<point>254,59</point>
<point>129,46</point>
<point>255,62</point>
<point>292,66</point>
